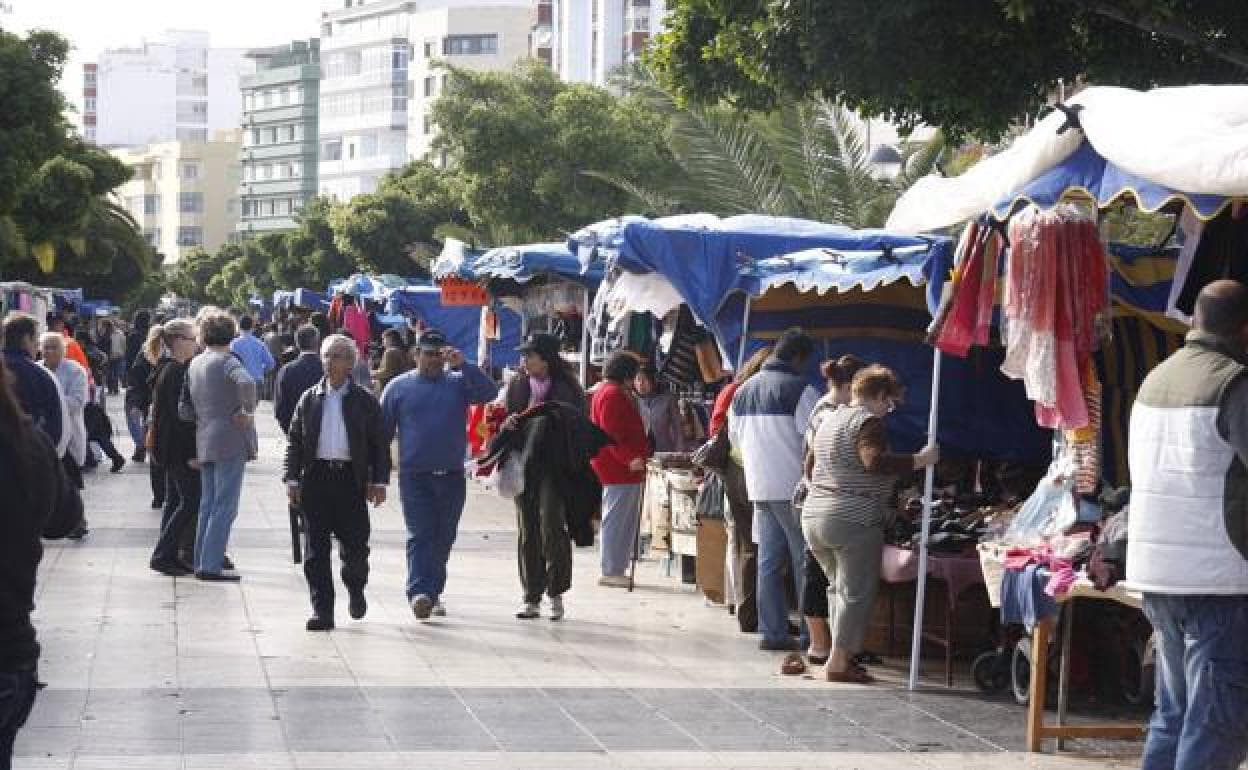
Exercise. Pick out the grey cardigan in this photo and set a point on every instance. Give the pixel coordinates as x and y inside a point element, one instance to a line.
<point>218,388</point>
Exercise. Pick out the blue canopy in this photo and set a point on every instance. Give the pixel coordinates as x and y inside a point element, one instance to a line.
<point>313,300</point>
<point>593,242</point>
<point>372,287</point>
<point>521,264</point>
<point>1088,172</point>
<point>461,325</point>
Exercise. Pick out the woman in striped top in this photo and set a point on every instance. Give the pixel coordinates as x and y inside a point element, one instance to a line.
<point>844,515</point>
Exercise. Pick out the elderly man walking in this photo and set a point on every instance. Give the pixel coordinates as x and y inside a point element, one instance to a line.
<point>1187,546</point>
<point>337,460</point>
<point>75,392</point>
<point>428,407</point>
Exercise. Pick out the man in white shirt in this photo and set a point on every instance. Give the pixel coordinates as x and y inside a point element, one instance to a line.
<point>337,461</point>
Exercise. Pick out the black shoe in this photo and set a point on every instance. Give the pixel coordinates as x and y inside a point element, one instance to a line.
<point>139,456</point>
<point>358,606</point>
<point>170,568</point>
<point>319,623</point>
<point>118,464</point>
<point>783,646</point>
<point>226,563</point>
<point>217,577</point>
<point>78,532</point>
<point>157,504</point>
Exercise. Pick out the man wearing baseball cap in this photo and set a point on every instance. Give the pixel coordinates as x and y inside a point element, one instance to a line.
<point>428,407</point>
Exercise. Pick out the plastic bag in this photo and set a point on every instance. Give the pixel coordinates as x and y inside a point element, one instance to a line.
<point>1050,509</point>
<point>507,478</point>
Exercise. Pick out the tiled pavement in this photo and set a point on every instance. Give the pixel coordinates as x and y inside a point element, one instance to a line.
<point>150,672</point>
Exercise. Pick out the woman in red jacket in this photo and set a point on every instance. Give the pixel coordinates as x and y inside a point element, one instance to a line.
<point>621,467</point>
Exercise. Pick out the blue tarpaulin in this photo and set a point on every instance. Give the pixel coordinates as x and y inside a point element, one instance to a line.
<point>314,300</point>
<point>461,325</point>
<point>1088,172</point>
<point>520,264</point>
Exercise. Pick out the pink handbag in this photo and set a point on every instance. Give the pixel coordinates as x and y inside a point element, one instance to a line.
<point>898,565</point>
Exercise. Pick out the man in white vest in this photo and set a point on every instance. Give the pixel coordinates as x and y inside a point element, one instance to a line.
<point>1188,536</point>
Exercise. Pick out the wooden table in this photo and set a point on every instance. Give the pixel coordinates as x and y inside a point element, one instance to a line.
<point>1037,729</point>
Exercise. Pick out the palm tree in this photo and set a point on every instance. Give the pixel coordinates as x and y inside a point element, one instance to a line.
<point>808,159</point>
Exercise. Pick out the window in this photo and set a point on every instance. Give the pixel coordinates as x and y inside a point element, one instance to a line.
<point>281,207</point>
<point>190,203</point>
<point>288,133</point>
<point>199,85</point>
<point>266,171</point>
<point>331,150</point>
<point>249,173</point>
<point>268,135</point>
<point>255,136</point>
<point>266,208</point>
<point>134,204</point>
<point>190,236</point>
<point>89,80</point>
<point>268,99</point>
<point>285,97</point>
<point>430,85</point>
<point>428,125</point>
<point>398,59</point>
<point>88,104</point>
<point>285,170</point>
<point>350,150</point>
<point>430,47</point>
<point>368,145</point>
<point>296,94</point>
<point>469,45</point>
<point>152,237</point>
<point>298,132</point>
<point>151,205</point>
<point>190,171</point>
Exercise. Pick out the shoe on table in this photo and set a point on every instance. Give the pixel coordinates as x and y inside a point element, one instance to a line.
<point>613,581</point>
<point>319,623</point>
<point>439,609</point>
<point>422,606</point>
<point>784,645</point>
<point>358,606</point>
<point>170,568</point>
<point>529,611</point>
<point>217,577</point>
<point>118,464</point>
<point>556,608</point>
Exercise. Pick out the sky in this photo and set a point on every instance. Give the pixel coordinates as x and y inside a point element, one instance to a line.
<point>94,25</point>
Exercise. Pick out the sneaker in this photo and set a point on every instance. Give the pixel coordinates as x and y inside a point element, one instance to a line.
<point>226,563</point>
<point>439,609</point>
<point>422,606</point>
<point>529,611</point>
<point>319,623</point>
<point>78,532</point>
<point>556,608</point>
<point>358,606</point>
<point>171,569</point>
<point>613,581</point>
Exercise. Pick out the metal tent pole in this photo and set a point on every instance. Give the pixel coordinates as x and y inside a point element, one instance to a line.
<point>929,482</point>
<point>745,332</point>
<point>585,340</point>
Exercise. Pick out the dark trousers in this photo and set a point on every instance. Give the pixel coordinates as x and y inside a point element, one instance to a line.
<point>72,470</point>
<point>181,515</point>
<point>814,597</point>
<point>545,547</point>
<point>156,472</point>
<point>333,506</point>
<point>106,443</point>
<point>432,507</point>
<point>17,698</point>
<point>740,517</point>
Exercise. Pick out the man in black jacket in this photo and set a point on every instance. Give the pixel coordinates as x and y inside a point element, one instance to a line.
<point>37,501</point>
<point>297,376</point>
<point>35,388</point>
<point>337,460</point>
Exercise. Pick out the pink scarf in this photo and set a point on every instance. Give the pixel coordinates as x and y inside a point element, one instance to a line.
<point>539,390</point>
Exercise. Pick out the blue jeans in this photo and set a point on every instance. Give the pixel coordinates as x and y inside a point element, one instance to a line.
<point>221,485</point>
<point>1201,718</point>
<point>621,513</point>
<point>17,698</point>
<point>432,505</point>
<point>137,425</point>
<point>780,539</point>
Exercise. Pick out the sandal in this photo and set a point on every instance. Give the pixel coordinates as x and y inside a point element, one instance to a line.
<point>793,665</point>
<point>817,660</point>
<point>849,676</point>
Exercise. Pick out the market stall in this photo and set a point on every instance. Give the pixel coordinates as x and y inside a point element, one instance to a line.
<point>1172,150</point>
<point>487,335</point>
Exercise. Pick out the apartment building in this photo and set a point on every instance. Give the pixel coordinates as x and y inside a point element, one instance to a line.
<point>177,88</point>
<point>279,155</point>
<point>377,78</point>
<point>184,194</point>
<point>588,41</point>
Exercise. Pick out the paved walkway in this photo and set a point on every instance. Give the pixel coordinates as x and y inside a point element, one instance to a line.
<point>149,672</point>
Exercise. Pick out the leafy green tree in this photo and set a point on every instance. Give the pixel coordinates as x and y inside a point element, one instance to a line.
<point>521,143</point>
<point>197,270</point>
<point>393,229</point>
<point>973,66</point>
<point>311,258</point>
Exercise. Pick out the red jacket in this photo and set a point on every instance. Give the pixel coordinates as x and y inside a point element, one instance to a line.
<point>613,410</point>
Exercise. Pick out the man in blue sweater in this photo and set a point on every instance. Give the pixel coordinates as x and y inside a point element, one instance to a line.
<point>428,407</point>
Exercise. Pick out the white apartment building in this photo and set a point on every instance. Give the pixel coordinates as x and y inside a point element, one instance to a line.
<point>374,107</point>
<point>588,41</point>
<point>177,88</point>
<point>184,194</point>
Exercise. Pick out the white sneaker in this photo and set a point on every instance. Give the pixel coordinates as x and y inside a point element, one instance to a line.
<point>613,581</point>
<point>422,605</point>
<point>439,610</point>
<point>556,608</point>
<point>529,611</point>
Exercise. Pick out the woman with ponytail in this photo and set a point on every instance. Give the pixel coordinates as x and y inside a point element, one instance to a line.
<point>139,382</point>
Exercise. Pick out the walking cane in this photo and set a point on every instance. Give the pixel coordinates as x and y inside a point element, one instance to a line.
<point>641,508</point>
